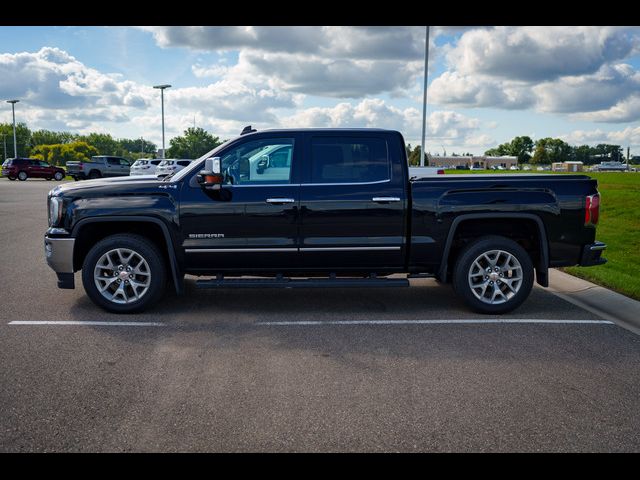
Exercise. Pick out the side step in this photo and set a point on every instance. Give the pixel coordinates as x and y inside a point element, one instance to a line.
<point>285,282</point>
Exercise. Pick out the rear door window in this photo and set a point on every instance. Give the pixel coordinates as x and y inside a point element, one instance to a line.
<point>349,160</point>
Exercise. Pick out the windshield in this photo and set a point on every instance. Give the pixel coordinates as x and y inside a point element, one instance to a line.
<point>198,164</point>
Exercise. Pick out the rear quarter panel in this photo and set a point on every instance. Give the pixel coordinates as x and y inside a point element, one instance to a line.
<point>558,200</point>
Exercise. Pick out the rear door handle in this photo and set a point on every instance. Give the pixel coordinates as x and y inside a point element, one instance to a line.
<point>385,199</point>
<point>280,201</point>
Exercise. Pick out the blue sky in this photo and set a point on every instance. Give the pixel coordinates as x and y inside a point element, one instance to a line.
<point>486,84</point>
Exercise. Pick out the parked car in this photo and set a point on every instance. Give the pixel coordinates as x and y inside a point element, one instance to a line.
<point>145,166</point>
<point>23,168</point>
<point>336,206</point>
<point>99,166</point>
<point>172,165</point>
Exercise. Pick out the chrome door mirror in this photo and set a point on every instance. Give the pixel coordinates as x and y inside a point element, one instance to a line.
<point>211,177</point>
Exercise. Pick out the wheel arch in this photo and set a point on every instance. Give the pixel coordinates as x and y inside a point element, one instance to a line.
<point>505,224</point>
<point>89,231</point>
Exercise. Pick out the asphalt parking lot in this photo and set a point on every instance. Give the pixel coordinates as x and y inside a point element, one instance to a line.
<point>299,370</point>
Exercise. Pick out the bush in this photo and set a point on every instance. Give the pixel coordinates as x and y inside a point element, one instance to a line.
<point>61,153</point>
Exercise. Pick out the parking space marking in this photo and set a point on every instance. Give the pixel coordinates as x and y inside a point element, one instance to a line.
<point>100,324</point>
<point>435,322</point>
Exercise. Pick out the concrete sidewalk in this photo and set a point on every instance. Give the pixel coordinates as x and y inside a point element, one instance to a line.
<point>603,302</point>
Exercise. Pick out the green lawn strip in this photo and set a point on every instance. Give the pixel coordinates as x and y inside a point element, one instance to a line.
<point>619,228</point>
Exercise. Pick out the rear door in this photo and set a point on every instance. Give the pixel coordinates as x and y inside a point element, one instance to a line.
<point>353,202</point>
<point>112,167</point>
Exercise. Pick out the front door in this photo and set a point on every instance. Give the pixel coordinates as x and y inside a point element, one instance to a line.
<point>353,204</point>
<point>252,222</point>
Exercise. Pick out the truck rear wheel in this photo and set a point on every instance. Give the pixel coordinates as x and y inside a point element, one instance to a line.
<point>124,273</point>
<point>493,275</point>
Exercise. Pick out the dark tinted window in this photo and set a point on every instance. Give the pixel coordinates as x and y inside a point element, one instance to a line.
<point>349,160</point>
<point>155,162</point>
<point>113,161</point>
<point>184,163</point>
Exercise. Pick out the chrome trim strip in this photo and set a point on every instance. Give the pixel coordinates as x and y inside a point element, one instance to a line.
<point>344,249</point>
<point>229,250</point>
<point>598,247</point>
<point>308,184</point>
<point>280,200</point>
<point>345,183</point>
<point>385,199</point>
<point>304,249</point>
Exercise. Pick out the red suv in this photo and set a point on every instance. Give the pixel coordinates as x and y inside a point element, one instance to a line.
<point>23,168</point>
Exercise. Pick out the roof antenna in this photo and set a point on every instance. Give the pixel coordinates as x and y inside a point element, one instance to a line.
<point>248,129</point>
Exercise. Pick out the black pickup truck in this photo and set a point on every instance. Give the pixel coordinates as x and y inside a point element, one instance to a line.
<point>319,207</point>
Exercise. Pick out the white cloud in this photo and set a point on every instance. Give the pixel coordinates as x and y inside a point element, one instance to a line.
<point>629,136</point>
<point>574,70</point>
<point>443,127</point>
<point>540,53</point>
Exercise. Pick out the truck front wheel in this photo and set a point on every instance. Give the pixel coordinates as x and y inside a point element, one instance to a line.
<point>124,273</point>
<point>493,275</point>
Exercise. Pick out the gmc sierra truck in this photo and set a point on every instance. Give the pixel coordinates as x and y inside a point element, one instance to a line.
<point>319,208</point>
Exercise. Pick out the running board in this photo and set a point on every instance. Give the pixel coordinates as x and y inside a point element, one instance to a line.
<point>285,282</point>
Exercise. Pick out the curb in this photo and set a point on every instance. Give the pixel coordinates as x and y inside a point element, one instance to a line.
<point>610,305</point>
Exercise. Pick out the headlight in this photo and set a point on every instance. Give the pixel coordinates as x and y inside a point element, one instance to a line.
<point>55,211</point>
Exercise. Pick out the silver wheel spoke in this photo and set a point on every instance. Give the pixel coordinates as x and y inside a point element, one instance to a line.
<point>119,285</point>
<point>500,268</point>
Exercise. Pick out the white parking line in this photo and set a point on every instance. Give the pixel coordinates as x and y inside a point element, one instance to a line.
<point>100,324</point>
<point>433,322</point>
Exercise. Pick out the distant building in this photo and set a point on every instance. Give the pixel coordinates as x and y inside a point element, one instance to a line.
<point>483,162</point>
<point>567,167</point>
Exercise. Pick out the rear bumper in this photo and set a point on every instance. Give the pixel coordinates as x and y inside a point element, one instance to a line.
<point>592,254</point>
<point>59,255</point>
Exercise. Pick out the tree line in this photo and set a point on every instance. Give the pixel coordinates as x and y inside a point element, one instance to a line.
<point>58,148</point>
<point>550,150</point>
<point>542,152</point>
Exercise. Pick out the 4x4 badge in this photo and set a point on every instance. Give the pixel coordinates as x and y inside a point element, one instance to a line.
<point>167,186</point>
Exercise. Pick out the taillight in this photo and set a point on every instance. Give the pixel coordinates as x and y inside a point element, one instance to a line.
<point>592,209</point>
<point>80,165</point>
<point>440,172</point>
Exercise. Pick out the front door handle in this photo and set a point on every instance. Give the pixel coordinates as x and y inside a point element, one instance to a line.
<point>280,201</point>
<point>385,199</point>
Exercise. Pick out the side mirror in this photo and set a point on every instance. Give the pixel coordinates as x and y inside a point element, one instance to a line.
<point>211,177</point>
<point>262,164</point>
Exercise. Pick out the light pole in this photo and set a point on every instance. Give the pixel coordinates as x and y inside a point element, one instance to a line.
<point>4,141</point>
<point>13,110</point>
<point>162,87</point>
<point>424,101</point>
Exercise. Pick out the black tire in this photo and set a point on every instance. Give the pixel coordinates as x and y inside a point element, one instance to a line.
<point>11,178</point>
<point>58,176</point>
<point>143,247</point>
<point>463,270</point>
<point>95,174</point>
<point>22,176</point>
<point>49,179</point>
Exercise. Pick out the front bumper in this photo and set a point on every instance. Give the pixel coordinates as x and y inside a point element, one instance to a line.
<point>592,254</point>
<point>59,255</point>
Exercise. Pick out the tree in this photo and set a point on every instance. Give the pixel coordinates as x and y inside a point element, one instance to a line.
<point>23,139</point>
<point>61,153</point>
<point>499,151</point>
<point>49,137</point>
<point>103,142</point>
<point>133,146</point>
<point>549,150</point>
<point>521,147</point>
<point>193,144</point>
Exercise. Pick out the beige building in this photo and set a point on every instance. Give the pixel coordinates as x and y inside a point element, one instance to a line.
<point>484,162</point>
<point>567,167</point>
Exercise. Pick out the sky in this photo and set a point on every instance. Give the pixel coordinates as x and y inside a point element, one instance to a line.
<point>486,84</point>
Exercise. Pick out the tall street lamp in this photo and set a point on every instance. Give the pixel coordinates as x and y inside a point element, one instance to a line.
<point>13,109</point>
<point>162,87</point>
<point>424,99</point>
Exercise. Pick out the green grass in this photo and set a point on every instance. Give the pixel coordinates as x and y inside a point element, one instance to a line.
<point>619,228</point>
